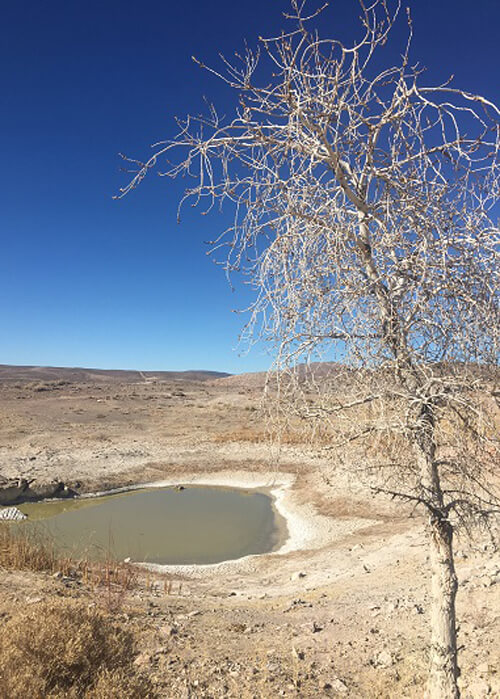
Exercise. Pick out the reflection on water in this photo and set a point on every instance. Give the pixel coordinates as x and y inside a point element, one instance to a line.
<point>162,525</point>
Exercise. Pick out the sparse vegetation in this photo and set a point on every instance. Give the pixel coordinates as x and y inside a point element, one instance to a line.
<point>22,551</point>
<point>112,580</point>
<point>68,649</point>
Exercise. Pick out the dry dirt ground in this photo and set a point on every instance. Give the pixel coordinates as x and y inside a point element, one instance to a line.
<point>349,618</point>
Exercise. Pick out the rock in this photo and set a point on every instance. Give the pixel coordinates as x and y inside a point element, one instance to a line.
<point>142,659</point>
<point>21,490</point>
<point>169,630</point>
<point>337,685</point>
<point>299,574</point>
<point>297,602</point>
<point>39,490</point>
<point>12,490</point>
<point>316,628</point>
<point>383,659</point>
<point>12,514</point>
<point>273,667</point>
<point>483,668</point>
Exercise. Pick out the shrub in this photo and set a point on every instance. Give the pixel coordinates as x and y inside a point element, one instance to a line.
<point>68,649</point>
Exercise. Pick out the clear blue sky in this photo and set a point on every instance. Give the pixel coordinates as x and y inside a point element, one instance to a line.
<point>88,281</point>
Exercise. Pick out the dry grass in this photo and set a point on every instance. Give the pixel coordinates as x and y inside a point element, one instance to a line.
<point>406,679</point>
<point>111,580</point>
<point>242,435</point>
<point>119,684</point>
<point>256,436</point>
<point>68,649</point>
<point>23,551</point>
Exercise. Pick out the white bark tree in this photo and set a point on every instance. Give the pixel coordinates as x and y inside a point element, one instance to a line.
<point>363,207</point>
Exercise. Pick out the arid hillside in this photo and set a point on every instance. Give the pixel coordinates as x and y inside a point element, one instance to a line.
<point>345,614</point>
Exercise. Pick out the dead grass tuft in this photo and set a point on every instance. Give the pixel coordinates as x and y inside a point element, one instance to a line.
<point>121,684</point>
<point>23,551</point>
<point>68,649</point>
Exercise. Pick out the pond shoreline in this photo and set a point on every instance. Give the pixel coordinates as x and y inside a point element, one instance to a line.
<point>306,528</point>
<point>301,526</point>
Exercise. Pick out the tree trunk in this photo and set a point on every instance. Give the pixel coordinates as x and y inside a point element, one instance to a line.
<point>443,673</point>
<point>442,683</point>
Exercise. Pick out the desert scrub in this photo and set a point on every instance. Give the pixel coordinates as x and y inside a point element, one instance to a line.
<point>68,649</point>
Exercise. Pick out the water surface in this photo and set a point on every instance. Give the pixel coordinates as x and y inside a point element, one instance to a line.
<point>162,525</point>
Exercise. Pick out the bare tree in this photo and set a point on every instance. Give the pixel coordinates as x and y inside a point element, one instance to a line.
<point>363,218</point>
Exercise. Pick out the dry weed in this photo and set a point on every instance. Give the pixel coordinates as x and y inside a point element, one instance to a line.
<point>110,580</point>
<point>120,684</point>
<point>23,551</point>
<point>68,649</point>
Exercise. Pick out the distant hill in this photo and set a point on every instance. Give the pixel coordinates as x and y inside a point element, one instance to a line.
<point>243,381</point>
<point>343,375</point>
<point>318,370</point>
<point>11,373</point>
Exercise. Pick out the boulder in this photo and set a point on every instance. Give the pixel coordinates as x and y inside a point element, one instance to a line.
<point>21,490</point>
<point>40,490</point>
<point>13,490</point>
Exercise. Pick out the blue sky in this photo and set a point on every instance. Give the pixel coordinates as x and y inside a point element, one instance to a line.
<point>89,281</point>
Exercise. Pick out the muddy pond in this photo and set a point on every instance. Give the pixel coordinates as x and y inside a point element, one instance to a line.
<point>169,526</point>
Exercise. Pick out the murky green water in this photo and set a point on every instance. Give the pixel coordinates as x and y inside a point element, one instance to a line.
<point>162,525</point>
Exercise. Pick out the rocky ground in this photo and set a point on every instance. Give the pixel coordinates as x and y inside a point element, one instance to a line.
<point>348,617</point>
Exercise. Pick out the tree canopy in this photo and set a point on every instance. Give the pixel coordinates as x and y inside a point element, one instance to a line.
<point>364,203</point>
